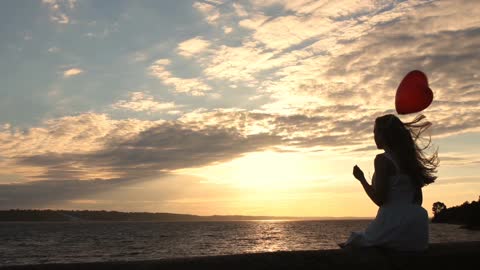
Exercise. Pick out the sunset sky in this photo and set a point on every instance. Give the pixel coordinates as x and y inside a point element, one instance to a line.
<point>252,107</point>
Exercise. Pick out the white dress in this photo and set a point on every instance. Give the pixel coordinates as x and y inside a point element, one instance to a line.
<point>400,224</point>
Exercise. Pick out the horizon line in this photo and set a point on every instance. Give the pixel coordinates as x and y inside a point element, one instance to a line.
<point>196,215</point>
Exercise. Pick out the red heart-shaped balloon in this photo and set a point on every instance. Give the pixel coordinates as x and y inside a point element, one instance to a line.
<point>413,94</point>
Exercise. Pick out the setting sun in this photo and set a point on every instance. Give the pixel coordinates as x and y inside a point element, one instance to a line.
<point>267,171</point>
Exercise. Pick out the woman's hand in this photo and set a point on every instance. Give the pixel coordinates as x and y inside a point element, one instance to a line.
<point>358,173</point>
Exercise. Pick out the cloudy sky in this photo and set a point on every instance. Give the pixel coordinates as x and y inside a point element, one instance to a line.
<point>255,107</point>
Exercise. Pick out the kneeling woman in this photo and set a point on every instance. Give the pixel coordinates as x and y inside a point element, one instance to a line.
<point>400,173</point>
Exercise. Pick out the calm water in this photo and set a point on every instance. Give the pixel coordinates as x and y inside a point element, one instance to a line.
<point>25,243</point>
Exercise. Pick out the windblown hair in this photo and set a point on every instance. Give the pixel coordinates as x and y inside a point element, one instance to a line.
<point>403,140</point>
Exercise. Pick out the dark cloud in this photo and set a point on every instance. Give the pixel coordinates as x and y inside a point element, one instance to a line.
<point>299,123</point>
<point>152,194</point>
<point>39,194</point>
<point>176,145</point>
<point>162,148</point>
<point>336,132</point>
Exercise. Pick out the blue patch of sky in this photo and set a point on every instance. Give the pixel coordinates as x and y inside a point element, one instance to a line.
<point>25,69</point>
<point>458,143</point>
<point>102,39</point>
<point>117,30</point>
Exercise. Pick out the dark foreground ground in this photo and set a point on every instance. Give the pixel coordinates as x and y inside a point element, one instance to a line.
<point>439,256</point>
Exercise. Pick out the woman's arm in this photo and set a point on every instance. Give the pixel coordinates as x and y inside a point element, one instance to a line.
<point>378,191</point>
<point>370,191</point>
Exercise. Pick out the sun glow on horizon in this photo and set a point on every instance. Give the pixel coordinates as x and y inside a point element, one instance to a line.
<point>265,170</point>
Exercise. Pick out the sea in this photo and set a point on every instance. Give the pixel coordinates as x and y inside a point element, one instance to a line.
<point>66,242</point>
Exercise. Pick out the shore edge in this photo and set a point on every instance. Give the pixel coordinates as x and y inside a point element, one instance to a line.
<point>439,256</point>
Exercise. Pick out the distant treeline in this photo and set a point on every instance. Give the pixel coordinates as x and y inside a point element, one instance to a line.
<point>467,214</point>
<point>87,215</point>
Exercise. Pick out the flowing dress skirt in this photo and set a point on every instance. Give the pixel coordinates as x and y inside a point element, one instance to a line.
<point>399,226</point>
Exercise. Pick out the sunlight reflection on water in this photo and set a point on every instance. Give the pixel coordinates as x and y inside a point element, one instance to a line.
<point>24,243</point>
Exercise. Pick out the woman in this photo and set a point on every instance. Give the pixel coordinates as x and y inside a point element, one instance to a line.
<point>400,173</point>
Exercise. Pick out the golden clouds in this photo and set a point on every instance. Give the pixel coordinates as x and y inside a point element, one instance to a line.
<point>143,102</point>
<point>58,140</point>
<point>210,11</point>
<point>72,72</point>
<point>193,46</point>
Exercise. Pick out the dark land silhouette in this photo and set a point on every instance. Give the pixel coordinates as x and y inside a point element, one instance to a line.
<point>88,215</point>
<point>467,214</point>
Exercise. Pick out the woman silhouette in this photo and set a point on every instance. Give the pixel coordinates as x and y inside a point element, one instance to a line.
<point>400,173</point>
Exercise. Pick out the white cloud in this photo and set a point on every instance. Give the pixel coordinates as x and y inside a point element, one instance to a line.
<point>240,10</point>
<point>163,62</point>
<point>363,61</point>
<point>284,32</point>
<point>193,46</point>
<point>243,63</point>
<point>5,126</point>
<point>227,29</point>
<point>59,8</point>
<point>72,72</point>
<point>327,8</point>
<point>254,21</point>
<point>174,112</point>
<point>210,12</point>
<point>143,102</point>
<point>236,63</point>
<point>346,54</point>
<point>192,86</point>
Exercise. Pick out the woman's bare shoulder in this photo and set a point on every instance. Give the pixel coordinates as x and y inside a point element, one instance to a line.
<point>384,163</point>
<point>381,158</point>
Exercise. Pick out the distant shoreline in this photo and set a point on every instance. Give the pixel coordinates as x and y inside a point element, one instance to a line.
<point>466,214</point>
<point>33,215</point>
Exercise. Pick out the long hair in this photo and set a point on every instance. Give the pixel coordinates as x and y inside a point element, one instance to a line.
<point>402,139</point>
